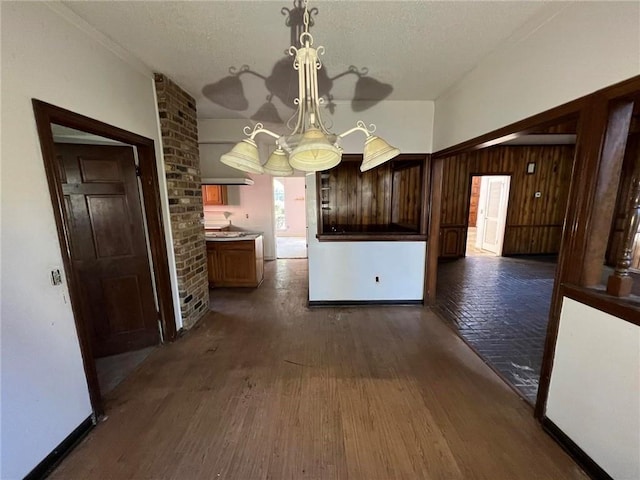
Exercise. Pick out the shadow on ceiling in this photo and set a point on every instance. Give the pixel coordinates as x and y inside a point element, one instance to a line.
<point>228,92</point>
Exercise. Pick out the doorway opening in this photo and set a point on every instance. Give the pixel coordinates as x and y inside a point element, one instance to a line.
<point>495,287</point>
<point>488,204</point>
<point>104,190</point>
<point>110,249</point>
<point>289,194</point>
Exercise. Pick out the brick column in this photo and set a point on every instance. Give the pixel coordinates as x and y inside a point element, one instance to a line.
<point>177,110</point>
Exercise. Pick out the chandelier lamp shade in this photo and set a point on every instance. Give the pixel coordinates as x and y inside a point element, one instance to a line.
<point>310,147</point>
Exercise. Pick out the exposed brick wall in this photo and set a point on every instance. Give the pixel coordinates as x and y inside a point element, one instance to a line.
<point>177,110</point>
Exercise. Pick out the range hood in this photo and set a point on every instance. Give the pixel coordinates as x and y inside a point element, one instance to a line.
<point>226,181</point>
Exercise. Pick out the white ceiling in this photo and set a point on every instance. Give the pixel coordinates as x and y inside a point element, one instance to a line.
<point>420,48</point>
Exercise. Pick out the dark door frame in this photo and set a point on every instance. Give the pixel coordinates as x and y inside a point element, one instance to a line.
<point>45,115</point>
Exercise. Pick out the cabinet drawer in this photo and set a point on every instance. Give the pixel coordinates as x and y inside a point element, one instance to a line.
<point>239,245</point>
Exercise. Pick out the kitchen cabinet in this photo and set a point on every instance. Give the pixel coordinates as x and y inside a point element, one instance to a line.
<point>235,263</point>
<point>214,194</point>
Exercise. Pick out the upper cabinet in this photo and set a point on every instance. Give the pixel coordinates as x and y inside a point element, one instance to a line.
<point>214,194</point>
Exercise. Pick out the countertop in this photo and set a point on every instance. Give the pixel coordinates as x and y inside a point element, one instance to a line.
<point>231,236</point>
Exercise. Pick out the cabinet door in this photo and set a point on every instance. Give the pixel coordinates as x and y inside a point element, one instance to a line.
<point>214,269</point>
<point>238,267</point>
<point>214,194</point>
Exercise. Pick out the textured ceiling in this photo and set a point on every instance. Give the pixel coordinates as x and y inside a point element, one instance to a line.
<point>413,49</point>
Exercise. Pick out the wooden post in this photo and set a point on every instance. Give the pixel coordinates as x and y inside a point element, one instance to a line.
<point>433,243</point>
<point>620,282</point>
<point>606,192</point>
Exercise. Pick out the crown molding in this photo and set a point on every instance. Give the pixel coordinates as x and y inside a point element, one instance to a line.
<point>82,25</point>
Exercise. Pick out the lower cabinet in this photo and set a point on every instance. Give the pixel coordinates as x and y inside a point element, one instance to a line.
<point>237,263</point>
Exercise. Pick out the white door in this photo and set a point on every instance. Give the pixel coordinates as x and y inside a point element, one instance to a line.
<point>492,215</point>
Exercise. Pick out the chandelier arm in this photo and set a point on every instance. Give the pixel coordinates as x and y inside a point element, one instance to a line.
<point>360,127</point>
<point>257,131</point>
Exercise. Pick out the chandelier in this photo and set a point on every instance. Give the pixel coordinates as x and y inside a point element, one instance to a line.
<point>310,147</point>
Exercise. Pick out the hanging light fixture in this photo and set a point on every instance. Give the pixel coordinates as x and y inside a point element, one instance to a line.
<point>310,147</point>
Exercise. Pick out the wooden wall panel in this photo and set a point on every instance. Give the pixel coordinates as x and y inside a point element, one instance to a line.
<point>407,192</point>
<point>534,225</point>
<point>452,241</point>
<point>357,198</point>
<point>348,197</point>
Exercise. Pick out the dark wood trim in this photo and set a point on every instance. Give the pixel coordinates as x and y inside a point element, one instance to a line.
<point>606,191</point>
<point>426,179</point>
<point>627,308</point>
<point>45,115</point>
<point>360,303</point>
<point>590,467</point>
<point>158,244</point>
<point>577,226</point>
<point>560,114</point>
<point>319,224</point>
<point>371,237</point>
<point>62,450</point>
<point>433,240</point>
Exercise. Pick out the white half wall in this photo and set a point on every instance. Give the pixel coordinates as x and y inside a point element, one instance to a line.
<point>570,50</point>
<point>594,396</point>
<point>49,54</point>
<point>344,271</point>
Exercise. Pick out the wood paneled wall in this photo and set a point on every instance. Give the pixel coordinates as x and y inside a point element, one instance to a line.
<point>406,205</point>
<point>354,197</point>
<point>391,194</point>
<point>534,225</point>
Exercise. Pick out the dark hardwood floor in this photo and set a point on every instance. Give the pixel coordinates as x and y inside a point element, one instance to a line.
<point>265,388</point>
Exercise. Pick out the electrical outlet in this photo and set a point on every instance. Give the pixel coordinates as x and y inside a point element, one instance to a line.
<point>56,277</point>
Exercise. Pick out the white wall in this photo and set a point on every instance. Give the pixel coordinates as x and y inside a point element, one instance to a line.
<point>594,396</point>
<point>407,125</point>
<point>344,271</point>
<point>571,49</point>
<point>294,207</point>
<point>44,56</point>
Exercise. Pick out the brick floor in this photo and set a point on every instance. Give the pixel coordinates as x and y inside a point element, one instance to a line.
<point>500,306</point>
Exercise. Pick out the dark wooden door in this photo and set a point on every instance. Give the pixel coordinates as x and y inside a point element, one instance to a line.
<point>104,221</point>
